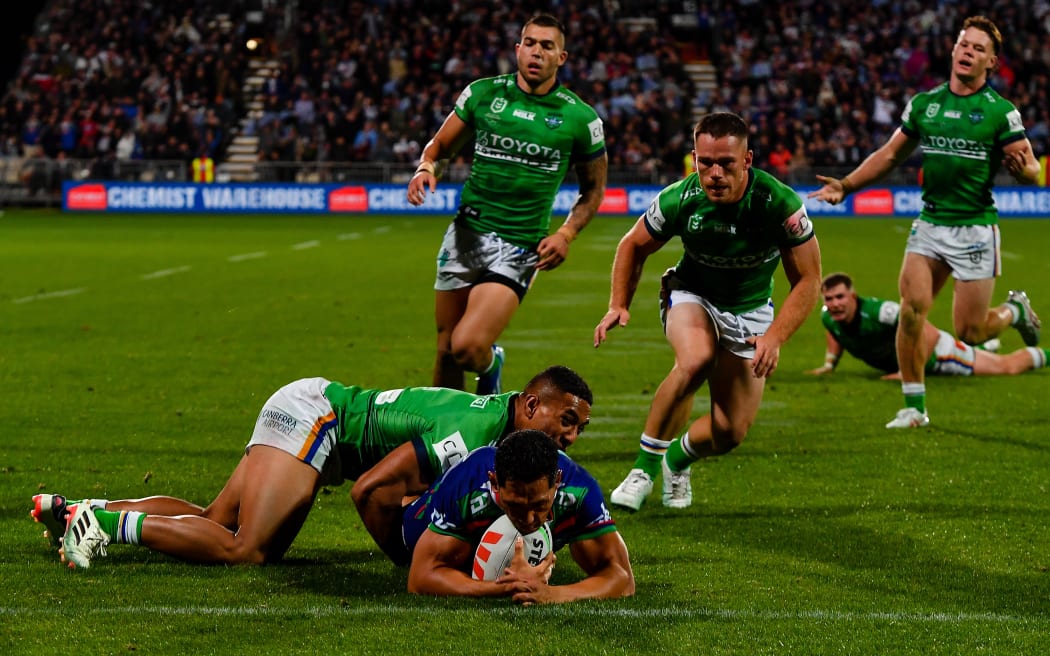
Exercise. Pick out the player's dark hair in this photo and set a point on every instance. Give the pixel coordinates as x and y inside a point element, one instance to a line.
<point>559,379</point>
<point>836,279</point>
<point>721,124</point>
<point>544,20</point>
<point>986,25</point>
<point>526,456</point>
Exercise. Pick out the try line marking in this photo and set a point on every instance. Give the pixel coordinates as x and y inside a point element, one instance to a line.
<point>555,611</point>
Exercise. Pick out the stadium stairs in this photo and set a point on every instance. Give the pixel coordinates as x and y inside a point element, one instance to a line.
<point>243,152</point>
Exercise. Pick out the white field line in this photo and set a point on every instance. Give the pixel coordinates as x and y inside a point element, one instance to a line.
<point>45,295</point>
<point>348,236</point>
<point>821,615</point>
<point>303,245</point>
<point>163,273</point>
<point>247,256</point>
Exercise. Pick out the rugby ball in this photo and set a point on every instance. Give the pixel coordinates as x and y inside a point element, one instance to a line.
<point>496,548</point>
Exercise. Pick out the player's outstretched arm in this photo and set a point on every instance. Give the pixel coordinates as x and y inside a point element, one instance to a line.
<point>872,169</point>
<point>608,568</point>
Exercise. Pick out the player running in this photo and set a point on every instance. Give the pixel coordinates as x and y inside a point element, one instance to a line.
<point>967,131</point>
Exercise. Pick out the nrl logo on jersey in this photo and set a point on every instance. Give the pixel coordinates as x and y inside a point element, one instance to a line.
<point>498,105</point>
<point>554,121</point>
<point>932,110</point>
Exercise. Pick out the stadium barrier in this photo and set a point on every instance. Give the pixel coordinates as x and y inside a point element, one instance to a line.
<point>1030,202</point>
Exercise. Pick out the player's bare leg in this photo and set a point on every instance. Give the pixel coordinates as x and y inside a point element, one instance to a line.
<point>921,278</point>
<point>693,338</point>
<point>490,307</point>
<point>974,322</point>
<point>270,493</point>
<point>449,307</point>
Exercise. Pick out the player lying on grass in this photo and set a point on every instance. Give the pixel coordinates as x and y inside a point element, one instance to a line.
<point>529,480</point>
<point>312,433</point>
<point>866,328</point>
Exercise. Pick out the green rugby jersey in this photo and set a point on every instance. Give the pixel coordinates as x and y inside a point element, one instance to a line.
<point>872,335</point>
<point>449,423</point>
<point>731,251</point>
<point>962,139</point>
<point>523,147</point>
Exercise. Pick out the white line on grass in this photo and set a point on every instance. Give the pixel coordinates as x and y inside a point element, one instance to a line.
<point>551,611</point>
<point>303,245</point>
<point>44,295</point>
<point>163,273</point>
<point>247,256</point>
<point>348,235</point>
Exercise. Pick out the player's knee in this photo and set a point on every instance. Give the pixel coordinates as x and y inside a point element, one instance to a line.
<point>241,553</point>
<point>725,439</point>
<point>972,335</point>
<point>470,354</point>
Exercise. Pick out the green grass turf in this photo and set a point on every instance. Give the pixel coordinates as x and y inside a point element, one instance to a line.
<point>137,350</point>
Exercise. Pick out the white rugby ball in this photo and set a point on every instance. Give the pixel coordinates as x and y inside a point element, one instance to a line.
<point>496,548</point>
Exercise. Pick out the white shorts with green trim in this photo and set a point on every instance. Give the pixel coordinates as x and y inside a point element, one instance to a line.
<point>971,251</point>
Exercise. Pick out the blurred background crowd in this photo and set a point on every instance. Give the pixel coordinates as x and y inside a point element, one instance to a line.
<point>344,81</point>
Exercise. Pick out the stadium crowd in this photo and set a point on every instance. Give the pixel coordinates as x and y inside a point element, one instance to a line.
<point>821,83</point>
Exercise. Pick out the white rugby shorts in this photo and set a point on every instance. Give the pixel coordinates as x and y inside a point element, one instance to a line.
<point>467,258</point>
<point>971,251</point>
<point>299,420</point>
<point>732,329</point>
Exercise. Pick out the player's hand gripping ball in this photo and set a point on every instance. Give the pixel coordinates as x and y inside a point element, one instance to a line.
<point>496,548</point>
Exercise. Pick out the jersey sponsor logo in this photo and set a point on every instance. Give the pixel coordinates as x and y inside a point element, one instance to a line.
<point>87,197</point>
<point>521,113</point>
<point>480,402</point>
<point>498,105</point>
<point>512,149</point>
<point>932,110</point>
<point>976,116</point>
<point>956,146</point>
<point>597,131</point>
<point>388,396</point>
<point>953,114</point>
<point>554,121</point>
<point>437,518</point>
<point>749,261</point>
<point>276,420</point>
<point>450,450</point>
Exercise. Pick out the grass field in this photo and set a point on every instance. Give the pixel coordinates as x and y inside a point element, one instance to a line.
<point>135,352</point>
